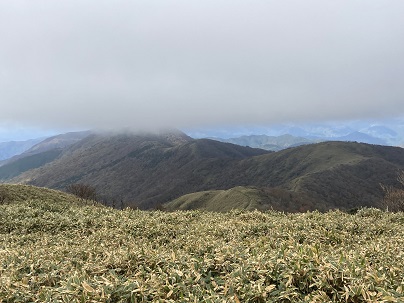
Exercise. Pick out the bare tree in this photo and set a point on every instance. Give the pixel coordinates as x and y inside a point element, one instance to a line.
<point>83,191</point>
<point>394,197</point>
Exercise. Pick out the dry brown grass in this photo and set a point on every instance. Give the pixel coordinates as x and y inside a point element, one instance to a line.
<point>62,251</point>
<point>394,197</point>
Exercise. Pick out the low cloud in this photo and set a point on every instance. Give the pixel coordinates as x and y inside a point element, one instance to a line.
<point>143,64</point>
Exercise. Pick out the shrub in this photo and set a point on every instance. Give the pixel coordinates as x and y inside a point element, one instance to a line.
<point>83,191</point>
<point>3,195</point>
<point>394,197</point>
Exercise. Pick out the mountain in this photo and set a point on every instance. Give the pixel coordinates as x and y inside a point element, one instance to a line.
<point>143,169</point>
<point>274,143</point>
<point>277,143</point>
<point>146,170</point>
<point>39,154</point>
<point>20,165</point>
<point>389,131</point>
<point>57,142</point>
<point>320,130</point>
<point>361,137</point>
<point>12,148</point>
<point>380,131</point>
<point>331,174</point>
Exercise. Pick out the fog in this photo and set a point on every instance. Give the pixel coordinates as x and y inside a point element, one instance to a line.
<point>148,64</point>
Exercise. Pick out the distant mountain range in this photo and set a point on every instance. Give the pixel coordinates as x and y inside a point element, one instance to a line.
<point>44,151</point>
<point>173,171</point>
<point>276,143</point>
<point>384,132</point>
<point>18,149</point>
<point>12,148</point>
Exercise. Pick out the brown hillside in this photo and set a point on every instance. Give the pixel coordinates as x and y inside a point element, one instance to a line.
<point>146,170</point>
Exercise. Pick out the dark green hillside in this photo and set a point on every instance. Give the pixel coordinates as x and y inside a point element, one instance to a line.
<point>39,154</point>
<point>273,143</point>
<point>337,174</point>
<point>206,148</point>
<point>58,142</point>
<point>18,166</point>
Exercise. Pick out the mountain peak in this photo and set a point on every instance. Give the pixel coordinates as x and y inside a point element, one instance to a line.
<point>175,136</point>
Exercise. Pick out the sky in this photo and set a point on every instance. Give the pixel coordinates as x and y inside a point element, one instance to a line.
<point>83,64</point>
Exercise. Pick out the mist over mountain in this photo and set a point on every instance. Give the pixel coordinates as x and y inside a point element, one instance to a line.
<point>284,80</point>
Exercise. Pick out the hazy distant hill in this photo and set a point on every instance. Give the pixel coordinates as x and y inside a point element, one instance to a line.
<point>12,148</point>
<point>274,143</point>
<point>30,161</point>
<point>380,131</point>
<point>39,154</point>
<point>361,137</point>
<point>58,142</point>
<point>146,170</point>
<point>277,143</point>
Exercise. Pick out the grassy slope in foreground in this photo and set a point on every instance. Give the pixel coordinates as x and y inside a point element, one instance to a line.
<point>247,198</point>
<point>241,197</point>
<point>12,193</point>
<point>61,251</point>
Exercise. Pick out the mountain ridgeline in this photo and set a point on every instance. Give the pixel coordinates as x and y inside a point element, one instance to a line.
<point>38,154</point>
<point>277,143</point>
<point>172,171</point>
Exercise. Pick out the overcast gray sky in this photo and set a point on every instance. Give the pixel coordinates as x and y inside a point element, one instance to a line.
<point>95,63</point>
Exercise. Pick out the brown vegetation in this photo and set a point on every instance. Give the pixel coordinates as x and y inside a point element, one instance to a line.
<point>394,197</point>
<point>57,248</point>
<point>83,191</point>
<point>3,195</point>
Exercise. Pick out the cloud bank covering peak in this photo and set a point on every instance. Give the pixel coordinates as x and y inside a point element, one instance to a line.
<point>156,63</point>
